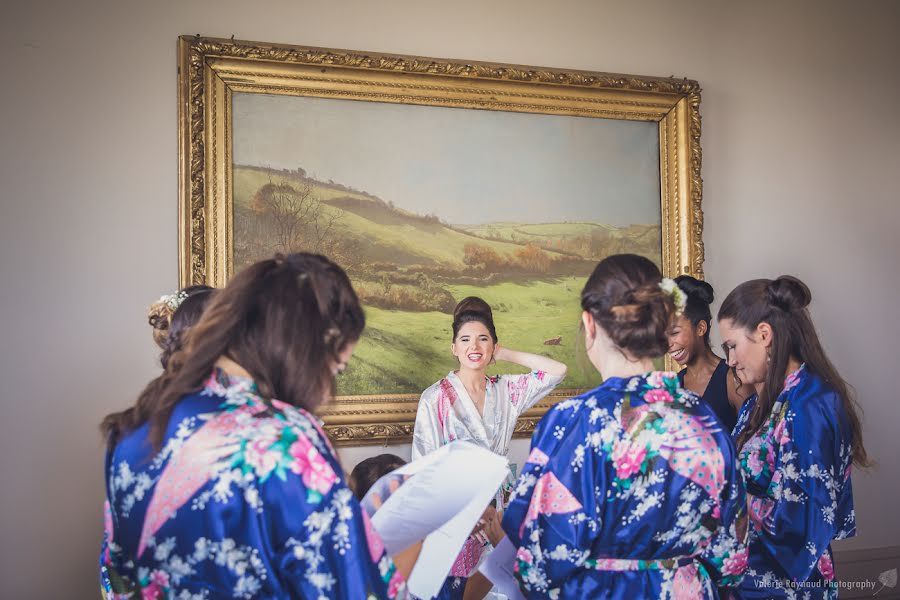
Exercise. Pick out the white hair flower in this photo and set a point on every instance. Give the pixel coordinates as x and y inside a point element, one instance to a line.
<point>678,296</point>
<point>173,301</point>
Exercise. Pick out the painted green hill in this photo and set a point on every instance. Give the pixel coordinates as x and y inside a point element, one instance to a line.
<point>410,270</point>
<point>385,233</point>
<point>589,240</point>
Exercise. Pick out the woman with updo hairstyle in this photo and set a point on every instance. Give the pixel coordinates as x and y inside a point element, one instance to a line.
<point>162,312</point>
<point>631,489</point>
<point>704,373</point>
<point>469,405</point>
<point>185,316</point>
<point>797,439</point>
<point>220,481</point>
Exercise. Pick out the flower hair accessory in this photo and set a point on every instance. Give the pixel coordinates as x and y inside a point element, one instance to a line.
<point>678,296</point>
<point>173,301</point>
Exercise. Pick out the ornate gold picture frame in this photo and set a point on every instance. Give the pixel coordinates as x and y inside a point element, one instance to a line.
<point>218,188</point>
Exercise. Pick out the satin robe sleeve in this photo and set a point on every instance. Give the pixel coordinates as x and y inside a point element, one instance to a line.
<point>725,556</point>
<point>319,538</point>
<point>811,486</point>
<point>427,430</point>
<point>548,518</point>
<point>524,391</point>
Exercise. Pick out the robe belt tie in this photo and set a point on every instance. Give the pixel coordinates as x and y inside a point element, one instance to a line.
<point>631,564</point>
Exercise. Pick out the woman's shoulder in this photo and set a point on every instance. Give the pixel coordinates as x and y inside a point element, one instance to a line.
<point>808,395</point>
<point>599,397</point>
<point>434,391</point>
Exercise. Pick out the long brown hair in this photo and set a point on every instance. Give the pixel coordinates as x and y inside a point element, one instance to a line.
<point>782,304</point>
<point>285,320</point>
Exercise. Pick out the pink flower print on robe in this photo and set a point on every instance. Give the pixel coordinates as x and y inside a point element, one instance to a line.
<point>780,435</point>
<point>189,469</point>
<point>826,566</point>
<point>312,467</point>
<point>376,545</point>
<point>760,509</point>
<point>396,584</point>
<point>446,399</point>
<point>159,584</point>
<point>755,463</point>
<point>550,497</point>
<point>628,457</point>
<point>735,564</point>
<point>657,395</point>
<point>260,455</point>
<point>657,379</point>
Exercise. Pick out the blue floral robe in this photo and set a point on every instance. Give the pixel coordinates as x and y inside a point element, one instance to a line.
<point>246,499</point>
<point>797,469</point>
<point>630,491</point>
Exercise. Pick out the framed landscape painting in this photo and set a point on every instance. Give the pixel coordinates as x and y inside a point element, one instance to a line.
<point>431,180</point>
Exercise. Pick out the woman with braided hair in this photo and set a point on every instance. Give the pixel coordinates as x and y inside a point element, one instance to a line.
<point>631,489</point>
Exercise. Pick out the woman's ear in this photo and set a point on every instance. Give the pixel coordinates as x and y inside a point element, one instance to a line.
<point>764,334</point>
<point>702,328</point>
<point>590,333</point>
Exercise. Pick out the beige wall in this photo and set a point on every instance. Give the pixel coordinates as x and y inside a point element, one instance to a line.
<point>800,129</point>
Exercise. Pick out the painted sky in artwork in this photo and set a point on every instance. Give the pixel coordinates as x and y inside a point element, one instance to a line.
<point>466,166</point>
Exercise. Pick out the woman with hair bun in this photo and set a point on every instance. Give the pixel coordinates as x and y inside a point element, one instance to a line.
<point>162,312</point>
<point>185,316</point>
<point>704,373</point>
<point>469,405</point>
<point>797,439</point>
<point>631,489</point>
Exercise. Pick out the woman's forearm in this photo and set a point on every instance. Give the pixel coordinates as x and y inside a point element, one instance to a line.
<point>535,362</point>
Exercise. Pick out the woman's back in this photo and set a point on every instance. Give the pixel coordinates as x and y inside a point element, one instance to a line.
<point>244,500</point>
<point>630,490</point>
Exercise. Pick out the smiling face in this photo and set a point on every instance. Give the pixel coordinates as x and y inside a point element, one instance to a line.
<point>473,346</point>
<point>685,340</point>
<point>746,350</point>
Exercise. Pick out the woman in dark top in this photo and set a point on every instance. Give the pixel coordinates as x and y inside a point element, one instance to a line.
<point>704,373</point>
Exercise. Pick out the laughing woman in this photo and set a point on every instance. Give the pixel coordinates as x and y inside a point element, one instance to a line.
<point>469,405</point>
<point>704,373</point>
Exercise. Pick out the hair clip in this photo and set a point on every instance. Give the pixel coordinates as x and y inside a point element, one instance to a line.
<point>174,300</point>
<point>678,296</point>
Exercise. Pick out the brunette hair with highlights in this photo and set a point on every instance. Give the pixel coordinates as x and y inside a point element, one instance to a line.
<point>284,320</point>
<point>782,303</point>
<point>625,299</point>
